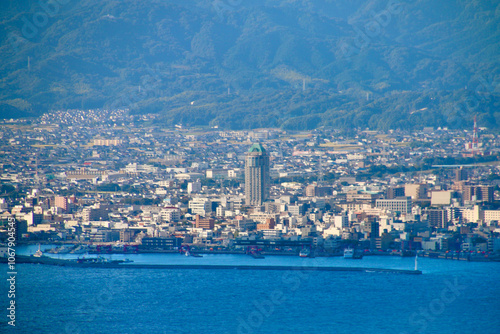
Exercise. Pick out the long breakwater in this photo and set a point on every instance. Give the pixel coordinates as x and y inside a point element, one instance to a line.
<point>119,265</point>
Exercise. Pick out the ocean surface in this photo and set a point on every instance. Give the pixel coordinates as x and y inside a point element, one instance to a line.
<point>450,297</point>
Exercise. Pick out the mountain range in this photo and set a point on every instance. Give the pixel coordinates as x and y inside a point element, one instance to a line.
<point>243,64</point>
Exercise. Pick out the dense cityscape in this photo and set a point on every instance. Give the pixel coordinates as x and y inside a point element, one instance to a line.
<point>250,167</point>
<point>108,182</point>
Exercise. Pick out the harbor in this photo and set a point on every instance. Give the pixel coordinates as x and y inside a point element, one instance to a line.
<point>80,249</point>
<point>196,259</point>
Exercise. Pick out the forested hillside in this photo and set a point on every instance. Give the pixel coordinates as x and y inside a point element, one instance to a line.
<point>296,64</point>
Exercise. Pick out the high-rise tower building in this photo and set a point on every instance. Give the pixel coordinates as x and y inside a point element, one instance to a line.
<point>460,174</point>
<point>257,180</point>
<point>478,193</point>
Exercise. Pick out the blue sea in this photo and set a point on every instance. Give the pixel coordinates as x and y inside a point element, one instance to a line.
<point>450,297</point>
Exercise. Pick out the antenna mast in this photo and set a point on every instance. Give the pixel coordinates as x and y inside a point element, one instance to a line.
<point>475,140</point>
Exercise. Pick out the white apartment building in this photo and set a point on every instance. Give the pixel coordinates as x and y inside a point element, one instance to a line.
<point>200,206</point>
<point>402,204</point>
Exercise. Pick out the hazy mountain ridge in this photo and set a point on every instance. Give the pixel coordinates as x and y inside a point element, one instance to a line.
<point>243,64</point>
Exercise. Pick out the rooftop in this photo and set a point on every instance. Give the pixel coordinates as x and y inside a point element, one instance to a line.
<point>257,148</point>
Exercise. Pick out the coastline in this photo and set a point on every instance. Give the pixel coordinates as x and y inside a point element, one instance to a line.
<point>461,256</point>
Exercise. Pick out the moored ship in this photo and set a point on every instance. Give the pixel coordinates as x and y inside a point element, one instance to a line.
<point>305,252</point>
<point>350,253</point>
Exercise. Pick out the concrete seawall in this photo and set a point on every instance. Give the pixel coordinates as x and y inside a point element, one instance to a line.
<point>110,265</point>
<point>247,267</point>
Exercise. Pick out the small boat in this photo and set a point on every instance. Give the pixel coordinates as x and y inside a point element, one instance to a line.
<point>305,252</point>
<point>188,253</point>
<point>256,255</point>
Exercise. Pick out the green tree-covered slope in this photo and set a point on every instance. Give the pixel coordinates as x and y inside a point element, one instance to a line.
<point>296,64</point>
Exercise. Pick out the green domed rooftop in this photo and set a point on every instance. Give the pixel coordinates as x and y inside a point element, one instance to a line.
<point>257,148</point>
